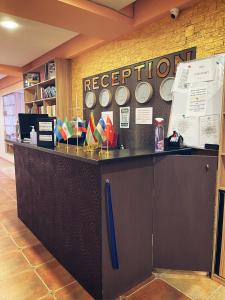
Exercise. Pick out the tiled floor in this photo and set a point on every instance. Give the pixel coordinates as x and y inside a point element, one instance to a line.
<point>29,272</point>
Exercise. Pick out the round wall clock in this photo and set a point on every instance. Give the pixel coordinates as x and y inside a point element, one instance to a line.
<point>166,89</point>
<point>105,97</point>
<point>122,95</point>
<point>143,92</point>
<point>90,100</point>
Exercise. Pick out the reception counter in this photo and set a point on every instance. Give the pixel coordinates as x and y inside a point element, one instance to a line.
<point>162,206</point>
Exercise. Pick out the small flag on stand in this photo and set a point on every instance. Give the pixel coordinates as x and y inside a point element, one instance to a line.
<point>79,127</point>
<point>90,138</point>
<point>99,131</point>
<point>67,128</point>
<point>109,131</point>
<point>59,132</point>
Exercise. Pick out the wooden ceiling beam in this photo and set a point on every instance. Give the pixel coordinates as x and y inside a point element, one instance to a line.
<point>11,70</point>
<point>80,16</point>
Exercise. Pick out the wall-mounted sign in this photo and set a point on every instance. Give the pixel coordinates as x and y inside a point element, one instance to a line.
<point>144,115</point>
<point>158,67</point>
<point>109,114</point>
<point>122,83</point>
<point>124,117</point>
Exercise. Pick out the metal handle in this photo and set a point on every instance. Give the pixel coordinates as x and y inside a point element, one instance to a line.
<point>207,167</point>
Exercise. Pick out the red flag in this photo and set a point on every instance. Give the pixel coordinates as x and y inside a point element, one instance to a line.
<point>109,131</point>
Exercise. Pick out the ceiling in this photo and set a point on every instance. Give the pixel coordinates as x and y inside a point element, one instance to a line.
<point>115,4</point>
<point>30,40</point>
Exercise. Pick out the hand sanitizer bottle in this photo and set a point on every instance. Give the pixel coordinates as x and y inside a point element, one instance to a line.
<point>33,136</point>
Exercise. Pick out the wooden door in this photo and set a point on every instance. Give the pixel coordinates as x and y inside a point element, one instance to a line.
<point>183,212</point>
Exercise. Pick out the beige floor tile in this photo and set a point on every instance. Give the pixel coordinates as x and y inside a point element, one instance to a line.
<point>3,231</point>
<point>37,254</point>
<point>24,238</point>
<point>9,215</point>
<point>13,225</point>
<point>219,294</point>
<point>23,286</point>
<point>7,245</point>
<point>157,290</point>
<point>47,297</point>
<point>8,205</point>
<point>194,286</point>
<point>54,275</point>
<point>12,263</point>
<point>73,291</point>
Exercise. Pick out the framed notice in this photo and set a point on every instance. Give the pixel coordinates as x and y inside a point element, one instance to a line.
<point>124,117</point>
<point>45,132</point>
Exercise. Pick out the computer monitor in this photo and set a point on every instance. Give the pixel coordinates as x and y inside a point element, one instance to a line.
<point>28,120</point>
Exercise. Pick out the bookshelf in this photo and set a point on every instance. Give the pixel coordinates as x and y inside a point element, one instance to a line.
<point>47,89</point>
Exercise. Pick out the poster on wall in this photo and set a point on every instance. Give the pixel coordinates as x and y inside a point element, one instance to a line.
<point>202,70</point>
<point>197,99</point>
<point>209,130</point>
<point>144,115</point>
<point>109,114</point>
<point>124,117</point>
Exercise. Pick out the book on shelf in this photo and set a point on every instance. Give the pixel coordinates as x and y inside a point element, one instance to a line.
<point>40,109</point>
<point>51,110</point>
<point>51,70</point>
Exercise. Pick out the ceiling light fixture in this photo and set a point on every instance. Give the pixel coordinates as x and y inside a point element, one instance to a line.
<point>9,24</point>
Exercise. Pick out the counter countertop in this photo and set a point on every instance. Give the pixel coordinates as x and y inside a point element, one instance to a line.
<point>96,157</point>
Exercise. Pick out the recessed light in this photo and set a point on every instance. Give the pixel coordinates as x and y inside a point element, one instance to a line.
<point>9,24</point>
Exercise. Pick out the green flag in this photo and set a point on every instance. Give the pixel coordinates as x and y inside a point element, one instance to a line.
<point>67,127</point>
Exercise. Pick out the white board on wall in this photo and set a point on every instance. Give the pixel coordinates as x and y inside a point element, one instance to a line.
<point>197,101</point>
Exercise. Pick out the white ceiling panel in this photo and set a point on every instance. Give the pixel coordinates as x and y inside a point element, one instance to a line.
<point>115,4</point>
<point>29,40</point>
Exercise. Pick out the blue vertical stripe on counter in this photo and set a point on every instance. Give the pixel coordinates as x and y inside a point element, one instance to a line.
<point>110,225</point>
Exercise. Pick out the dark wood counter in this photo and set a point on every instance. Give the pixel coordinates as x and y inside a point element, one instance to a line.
<point>61,198</point>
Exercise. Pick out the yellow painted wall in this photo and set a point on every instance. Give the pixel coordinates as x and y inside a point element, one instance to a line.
<point>202,26</point>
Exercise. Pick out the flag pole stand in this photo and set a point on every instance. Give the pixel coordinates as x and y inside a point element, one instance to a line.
<point>107,149</point>
<point>77,135</point>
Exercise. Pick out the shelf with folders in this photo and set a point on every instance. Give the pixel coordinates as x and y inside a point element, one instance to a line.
<point>52,93</point>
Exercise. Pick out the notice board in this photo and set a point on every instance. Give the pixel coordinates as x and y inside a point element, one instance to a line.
<point>197,101</point>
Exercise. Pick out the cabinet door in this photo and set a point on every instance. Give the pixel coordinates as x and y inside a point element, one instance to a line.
<point>183,212</point>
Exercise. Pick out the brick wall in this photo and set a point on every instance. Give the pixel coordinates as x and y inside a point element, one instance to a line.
<point>201,26</point>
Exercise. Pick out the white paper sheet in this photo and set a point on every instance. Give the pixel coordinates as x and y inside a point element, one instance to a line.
<point>125,117</point>
<point>188,127</point>
<point>107,113</point>
<point>209,130</point>
<point>180,83</point>
<point>197,99</point>
<point>202,70</point>
<point>144,115</point>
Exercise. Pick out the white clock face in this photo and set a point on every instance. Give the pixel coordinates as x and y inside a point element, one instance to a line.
<point>166,89</point>
<point>122,95</point>
<point>90,100</point>
<point>143,92</point>
<point>105,97</point>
